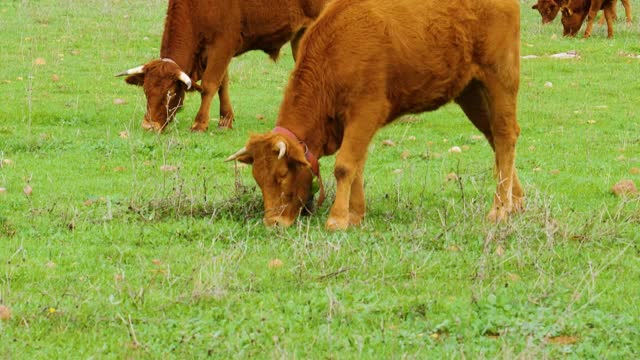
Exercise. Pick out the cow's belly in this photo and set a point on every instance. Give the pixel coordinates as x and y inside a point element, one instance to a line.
<point>426,90</point>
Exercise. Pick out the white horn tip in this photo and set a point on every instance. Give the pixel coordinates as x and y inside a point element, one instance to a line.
<point>282,147</point>
<point>237,154</point>
<point>185,79</point>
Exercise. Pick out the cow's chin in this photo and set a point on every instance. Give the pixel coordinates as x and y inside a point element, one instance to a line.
<point>153,125</point>
<point>284,218</point>
<point>278,221</point>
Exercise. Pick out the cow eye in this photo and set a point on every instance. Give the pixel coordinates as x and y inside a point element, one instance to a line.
<point>281,180</point>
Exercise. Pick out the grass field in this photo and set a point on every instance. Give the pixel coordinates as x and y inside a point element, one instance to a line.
<point>120,243</point>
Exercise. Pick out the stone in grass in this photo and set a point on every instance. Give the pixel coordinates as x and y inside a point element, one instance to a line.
<point>624,188</point>
<point>5,313</point>
<point>275,264</point>
<point>168,168</point>
<point>452,177</point>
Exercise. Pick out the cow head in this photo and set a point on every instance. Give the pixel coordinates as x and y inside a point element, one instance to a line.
<point>571,21</point>
<point>164,85</point>
<point>283,173</point>
<point>548,9</point>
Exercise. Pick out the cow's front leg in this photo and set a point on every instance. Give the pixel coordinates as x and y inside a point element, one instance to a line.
<point>590,19</point>
<point>610,16</point>
<point>357,204</point>
<point>361,123</point>
<point>347,163</point>
<point>219,55</point>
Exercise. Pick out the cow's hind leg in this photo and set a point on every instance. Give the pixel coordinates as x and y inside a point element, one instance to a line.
<point>226,110</point>
<point>361,123</point>
<point>627,11</point>
<point>219,55</point>
<point>498,124</point>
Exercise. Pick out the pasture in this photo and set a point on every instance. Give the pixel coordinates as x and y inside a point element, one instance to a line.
<point>116,242</point>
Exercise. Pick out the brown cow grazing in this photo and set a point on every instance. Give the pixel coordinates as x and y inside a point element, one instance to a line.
<point>363,64</point>
<point>200,38</point>
<point>575,11</point>
<point>549,9</point>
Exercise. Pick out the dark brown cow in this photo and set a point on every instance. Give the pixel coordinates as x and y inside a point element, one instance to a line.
<point>574,13</point>
<point>549,9</point>
<point>201,37</point>
<point>363,64</point>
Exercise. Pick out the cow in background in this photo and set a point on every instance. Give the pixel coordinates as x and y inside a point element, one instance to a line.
<point>200,38</point>
<point>574,12</point>
<point>549,9</point>
<point>365,63</point>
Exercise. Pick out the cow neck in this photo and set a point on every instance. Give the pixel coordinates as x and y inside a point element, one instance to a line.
<point>169,60</point>
<point>309,155</point>
<point>178,41</point>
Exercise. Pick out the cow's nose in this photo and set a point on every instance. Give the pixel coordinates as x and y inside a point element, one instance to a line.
<point>278,221</point>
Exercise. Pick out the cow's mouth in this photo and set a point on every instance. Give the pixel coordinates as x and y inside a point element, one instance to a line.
<point>308,207</point>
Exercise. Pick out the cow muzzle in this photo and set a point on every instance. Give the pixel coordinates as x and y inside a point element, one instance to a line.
<point>277,221</point>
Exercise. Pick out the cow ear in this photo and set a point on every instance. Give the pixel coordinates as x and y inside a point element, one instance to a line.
<point>535,7</point>
<point>245,159</point>
<point>297,155</point>
<point>196,87</point>
<point>137,79</point>
<point>566,11</point>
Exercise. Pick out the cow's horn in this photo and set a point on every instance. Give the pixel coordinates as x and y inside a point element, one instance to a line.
<point>185,79</point>
<point>283,149</point>
<point>237,154</point>
<point>134,71</point>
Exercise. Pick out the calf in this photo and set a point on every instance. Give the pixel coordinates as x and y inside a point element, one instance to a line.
<point>549,9</point>
<point>200,38</point>
<point>575,11</point>
<point>365,63</point>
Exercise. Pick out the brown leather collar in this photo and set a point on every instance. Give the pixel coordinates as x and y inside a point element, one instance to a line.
<point>312,159</point>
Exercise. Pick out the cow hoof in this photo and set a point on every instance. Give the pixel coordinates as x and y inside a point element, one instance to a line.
<point>355,219</point>
<point>225,123</point>
<point>277,221</point>
<point>334,224</point>
<point>518,204</point>
<point>152,127</point>
<point>198,127</point>
<point>498,215</point>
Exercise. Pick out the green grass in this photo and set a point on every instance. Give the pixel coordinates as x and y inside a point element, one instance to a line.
<point>111,257</point>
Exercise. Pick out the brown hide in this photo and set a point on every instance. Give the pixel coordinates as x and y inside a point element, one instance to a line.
<point>574,12</point>
<point>363,64</point>
<point>202,36</point>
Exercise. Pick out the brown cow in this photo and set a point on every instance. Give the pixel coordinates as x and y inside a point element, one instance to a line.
<point>363,64</point>
<point>549,9</point>
<point>575,11</point>
<point>201,37</point>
